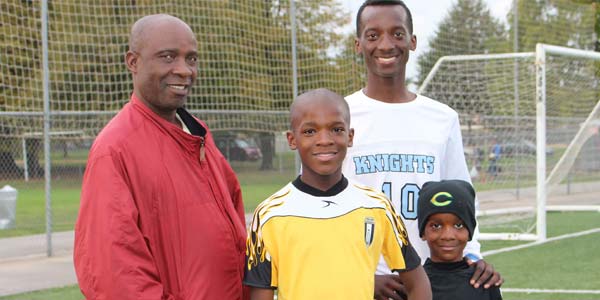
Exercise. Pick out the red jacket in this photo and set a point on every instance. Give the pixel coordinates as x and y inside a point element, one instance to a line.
<point>161,213</point>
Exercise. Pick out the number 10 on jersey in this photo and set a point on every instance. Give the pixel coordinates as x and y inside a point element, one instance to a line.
<point>409,197</point>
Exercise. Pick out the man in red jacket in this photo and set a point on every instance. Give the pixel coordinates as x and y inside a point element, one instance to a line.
<point>161,213</point>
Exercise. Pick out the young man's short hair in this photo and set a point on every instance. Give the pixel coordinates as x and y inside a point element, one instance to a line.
<point>384,2</point>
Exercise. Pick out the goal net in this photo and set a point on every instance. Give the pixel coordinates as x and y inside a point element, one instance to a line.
<point>530,129</point>
<point>245,81</point>
<point>245,50</point>
<point>255,56</point>
<point>244,88</point>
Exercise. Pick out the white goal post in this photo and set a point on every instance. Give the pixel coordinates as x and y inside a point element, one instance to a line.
<point>543,183</point>
<point>480,87</point>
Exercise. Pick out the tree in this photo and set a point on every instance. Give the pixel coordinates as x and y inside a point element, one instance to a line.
<point>596,9</point>
<point>469,28</point>
<point>554,22</point>
<point>245,60</point>
<point>316,33</point>
<point>567,23</point>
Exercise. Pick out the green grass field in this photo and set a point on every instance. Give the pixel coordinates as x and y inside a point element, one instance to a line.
<point>565,264</point>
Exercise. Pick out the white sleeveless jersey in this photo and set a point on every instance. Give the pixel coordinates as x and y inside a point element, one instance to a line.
<point>398,147</point>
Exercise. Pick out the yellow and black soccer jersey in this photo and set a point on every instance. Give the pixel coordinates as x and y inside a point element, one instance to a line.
<point>311,244</point>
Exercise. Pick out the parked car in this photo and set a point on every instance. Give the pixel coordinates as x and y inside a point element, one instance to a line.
<point>237,148</point>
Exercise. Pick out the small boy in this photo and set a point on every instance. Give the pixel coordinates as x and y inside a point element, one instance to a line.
<point>321,236</point>
<point>446,218</point>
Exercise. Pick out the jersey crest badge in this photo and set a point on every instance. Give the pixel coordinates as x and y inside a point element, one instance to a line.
<point>369,230</point>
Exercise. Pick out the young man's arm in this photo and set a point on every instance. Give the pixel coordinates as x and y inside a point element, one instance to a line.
<point>261,294</point>
<point>389,287</point>
<point>416,284</point>
<point>484,275</point>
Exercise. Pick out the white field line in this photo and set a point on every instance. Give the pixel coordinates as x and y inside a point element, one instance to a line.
<point>509,290</point>
<point>556,238</point>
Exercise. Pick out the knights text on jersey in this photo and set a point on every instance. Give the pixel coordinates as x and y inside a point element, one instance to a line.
<point>324,247</point>
<point>398,147</point>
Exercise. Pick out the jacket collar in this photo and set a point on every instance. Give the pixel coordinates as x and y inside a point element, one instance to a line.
<point>195,127</point>
<point>189,142</point>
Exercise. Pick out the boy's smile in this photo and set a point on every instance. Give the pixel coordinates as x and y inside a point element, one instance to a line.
<point>326,156</point>
<point>447,236</point>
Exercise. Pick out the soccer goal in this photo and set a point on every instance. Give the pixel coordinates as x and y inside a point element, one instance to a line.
<point>530,129</point>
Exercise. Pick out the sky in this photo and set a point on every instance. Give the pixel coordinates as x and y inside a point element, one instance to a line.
<point>427,14</point>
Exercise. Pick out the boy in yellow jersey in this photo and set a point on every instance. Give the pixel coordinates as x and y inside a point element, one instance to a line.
<point>321,236</point>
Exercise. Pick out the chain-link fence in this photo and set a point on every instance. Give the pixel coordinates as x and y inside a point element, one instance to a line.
<point>244,88</point>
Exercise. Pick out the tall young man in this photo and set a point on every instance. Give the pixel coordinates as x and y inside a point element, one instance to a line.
<point>402,140</point>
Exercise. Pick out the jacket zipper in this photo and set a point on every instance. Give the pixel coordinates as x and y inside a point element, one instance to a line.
<point>202,154</point>
<point>228,217</point>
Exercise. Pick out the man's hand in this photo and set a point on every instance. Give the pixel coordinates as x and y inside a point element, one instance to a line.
<point>484,274</point>
<point>389,287</point>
